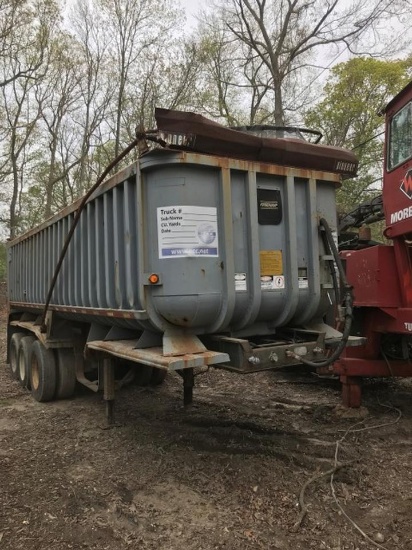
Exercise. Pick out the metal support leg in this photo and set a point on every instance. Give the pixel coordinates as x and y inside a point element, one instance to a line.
<point>188,383</point>
<point>108,389</point>
<point>351,391</point>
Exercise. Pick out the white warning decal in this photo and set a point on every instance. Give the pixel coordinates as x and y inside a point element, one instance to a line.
<point>240,281</point>
<point>271,282</point>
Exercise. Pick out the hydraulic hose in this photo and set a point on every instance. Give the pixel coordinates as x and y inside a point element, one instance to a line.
<point>76,219</point>
<point>332,268</point>
<point>347,299</point>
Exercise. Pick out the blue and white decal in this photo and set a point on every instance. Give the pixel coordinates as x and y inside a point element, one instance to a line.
<point>187,231</point>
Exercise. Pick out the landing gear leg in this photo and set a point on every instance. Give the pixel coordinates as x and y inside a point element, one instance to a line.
<point>188,383</point>
<point>108,389</point>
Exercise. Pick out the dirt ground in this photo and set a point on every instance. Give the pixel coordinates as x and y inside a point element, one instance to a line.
<point>225,473</point>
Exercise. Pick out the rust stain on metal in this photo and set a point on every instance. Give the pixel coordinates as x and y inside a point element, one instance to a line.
<point>47,342</point>
<point>214,139</point>
<point>116,313</point>
<point>257,166</point>
<point>177,343</point>
<point>117,278</point>
<point>154,357</point>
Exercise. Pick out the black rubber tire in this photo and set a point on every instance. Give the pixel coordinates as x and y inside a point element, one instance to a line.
<point>43,373</point>
<point>66,373</point>
<point>23,370</point>
<point>143,375</point>
<point>14,353</point>
<point>158,376</point>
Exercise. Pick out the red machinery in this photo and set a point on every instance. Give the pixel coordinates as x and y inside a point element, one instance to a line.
<point>381,275</point>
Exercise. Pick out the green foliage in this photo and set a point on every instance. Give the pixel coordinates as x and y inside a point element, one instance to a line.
<point>349,117</point>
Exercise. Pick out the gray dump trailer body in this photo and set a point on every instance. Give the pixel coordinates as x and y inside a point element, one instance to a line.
<point>235,244</point>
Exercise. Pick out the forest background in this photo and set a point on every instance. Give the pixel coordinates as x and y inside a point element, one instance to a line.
<point>77,78</point>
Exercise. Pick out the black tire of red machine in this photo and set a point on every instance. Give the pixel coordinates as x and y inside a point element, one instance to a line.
<point>66,373</point>
<point>14,353</point>
<point>43,373</point>
<point>23,371</point>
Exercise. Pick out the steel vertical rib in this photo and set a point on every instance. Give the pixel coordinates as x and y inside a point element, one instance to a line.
<point>227,251</point>
<point>313,258</point>
<point>253,281</point>
<point>291,280</point>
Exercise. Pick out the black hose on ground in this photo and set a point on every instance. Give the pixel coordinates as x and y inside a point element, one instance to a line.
<point>347,300</point>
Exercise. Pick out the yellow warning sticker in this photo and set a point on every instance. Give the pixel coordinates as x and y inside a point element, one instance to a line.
<point>271,262</point>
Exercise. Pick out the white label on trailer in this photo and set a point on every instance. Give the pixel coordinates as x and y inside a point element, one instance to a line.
<point>303,282</point>
<point>240,281</point>
<point>187,231</point>
<point>272,282</point>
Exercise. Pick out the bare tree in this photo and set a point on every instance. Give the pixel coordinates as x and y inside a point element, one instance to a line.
<point>169,78</point>
<point>21,117</point>
<point>97,90</point>
<point>58,99</point>
<point>281,36</point>
<point>133,28</point>
<point>25,29</point>
<point>220,71</point>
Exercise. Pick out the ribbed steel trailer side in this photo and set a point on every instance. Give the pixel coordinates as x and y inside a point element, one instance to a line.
<point>117,244</point>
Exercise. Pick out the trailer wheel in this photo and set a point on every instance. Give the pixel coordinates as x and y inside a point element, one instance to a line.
<point>14,353</point>
<point>66,373</point>
<point>43,375</point>
<point>158,376</point>
<point>23,371</point>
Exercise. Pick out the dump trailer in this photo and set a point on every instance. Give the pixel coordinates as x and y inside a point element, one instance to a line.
<point>216,248</point>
